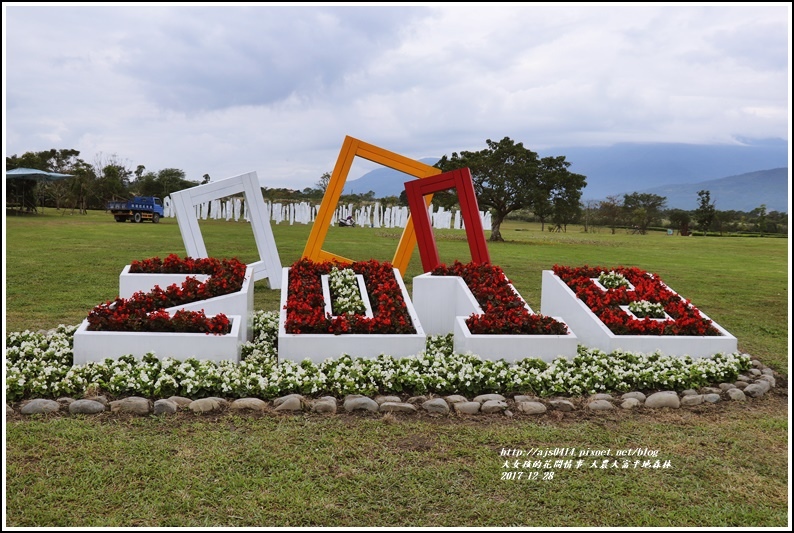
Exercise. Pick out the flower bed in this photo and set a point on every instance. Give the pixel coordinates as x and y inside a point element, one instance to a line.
<point>306,330</point>
<point>41,365</point>
<point>100,345</point>
<point>487,315</point>
<point>602,319</point>
<point>193,307</point>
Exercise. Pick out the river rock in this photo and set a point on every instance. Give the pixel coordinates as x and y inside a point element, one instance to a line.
<point>600,405</point>
<point>291,403</point>
<point>634,394</point>
<point>663,399</point>
<point>482,398</point>
<point>467,408</point>
<point>532,408</point>
<point>455,398</point>
<point>9,410</point>
<point>630,403</point>
<point>288,398</point>
<point>40,406</point>
<point>689,392</point>
<point>361,404</point>
<point>493,406</point>
<point>726,386</point>
<point>601,396</point>
<point>251,404</point>
<point>326,404</point>
<point>712,398</point>
<point>86,407</point>
<point>736,395</point>
<point>380,400</point>
<point>436,405</point>
<point>769,379</point>
<point>397,407</point>
<point>165,407</point>
<point>180,401</point>
<point>204,405</point>
<point>755,390</point>
<point>418,399</point>
<point>691,400</point>
<point>561,405</point>
<point>132,404</point>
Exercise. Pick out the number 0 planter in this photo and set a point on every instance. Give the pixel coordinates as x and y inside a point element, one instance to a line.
<point>308,331</point>
<point>596,313</point>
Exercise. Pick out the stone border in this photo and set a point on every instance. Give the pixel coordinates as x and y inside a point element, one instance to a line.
<point>754,383</point>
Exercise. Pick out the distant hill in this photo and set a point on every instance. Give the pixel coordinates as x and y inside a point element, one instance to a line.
<point>630,167</point>
<point>384,181</point>
<point>744,192</point>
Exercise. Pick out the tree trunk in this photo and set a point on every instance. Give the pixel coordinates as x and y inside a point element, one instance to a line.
<point>496,224</point>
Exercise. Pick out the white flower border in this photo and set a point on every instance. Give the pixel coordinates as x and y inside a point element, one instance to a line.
<point>40,365</point>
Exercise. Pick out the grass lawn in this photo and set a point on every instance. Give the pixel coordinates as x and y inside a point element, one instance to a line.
<point>729,461</point>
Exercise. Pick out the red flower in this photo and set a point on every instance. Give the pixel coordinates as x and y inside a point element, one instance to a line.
<point>146,311</point>
<point>504,312</point>
<point>686,319</point>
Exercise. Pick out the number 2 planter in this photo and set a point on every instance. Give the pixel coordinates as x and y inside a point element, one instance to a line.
<point>446,304</point>
<point>601,319</point>
<point>308,331</point>
<point>237,306</point>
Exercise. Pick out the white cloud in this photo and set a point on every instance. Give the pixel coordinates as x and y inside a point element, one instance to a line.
<point>225,90</point>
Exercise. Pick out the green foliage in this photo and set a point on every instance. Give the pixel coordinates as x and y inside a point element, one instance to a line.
<point>508,177</point>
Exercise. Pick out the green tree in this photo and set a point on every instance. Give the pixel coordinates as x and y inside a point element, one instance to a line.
<point>643,208</point>
<point>611,211</point>
<point>760,213</point>
<point>705,212</point>
<point>506,177</point>
<point>679,220</point>
<point>323,182</point>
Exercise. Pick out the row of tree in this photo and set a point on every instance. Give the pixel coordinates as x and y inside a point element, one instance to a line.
<point>509,180</point>
<point>639,212</point>
<point>92,185</point>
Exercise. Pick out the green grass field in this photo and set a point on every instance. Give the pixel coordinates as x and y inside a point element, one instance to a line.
<point>729,460</point>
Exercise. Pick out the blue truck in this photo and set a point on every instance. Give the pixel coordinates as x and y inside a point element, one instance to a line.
<point>138,209</point>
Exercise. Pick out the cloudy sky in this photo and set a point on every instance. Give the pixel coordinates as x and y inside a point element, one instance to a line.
<point>224,90</point>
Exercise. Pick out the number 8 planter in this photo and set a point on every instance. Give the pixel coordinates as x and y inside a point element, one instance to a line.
<point>308,330</point>
<point>488,317</point>
<point>601,317</point>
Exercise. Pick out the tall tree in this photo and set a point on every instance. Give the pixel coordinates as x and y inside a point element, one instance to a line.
<point>611,211</point>
<point>323,182</point>
<point>506,177</point>
<point>705,212</point>
<point>643,209</point>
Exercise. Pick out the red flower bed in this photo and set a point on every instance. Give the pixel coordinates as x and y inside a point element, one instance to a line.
<point>686,319</point>
<point>146,311</point>
<point>306,306</point>
<point>503,310</point>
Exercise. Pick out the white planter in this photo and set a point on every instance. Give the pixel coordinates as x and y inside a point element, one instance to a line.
<point>101,345</point>
<point>558,299</point>
<point>362,289</point>
<point>129,284</point>
<point>443,304</point>
<point>237,303</point>
<point>318,347</point>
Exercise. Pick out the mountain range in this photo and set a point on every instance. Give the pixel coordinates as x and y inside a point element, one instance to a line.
<point>739,177</point>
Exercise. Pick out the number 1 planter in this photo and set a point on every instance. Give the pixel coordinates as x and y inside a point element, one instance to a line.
<point>559,299</point>
<point>445,303</point>
<point>318,346</point>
